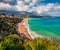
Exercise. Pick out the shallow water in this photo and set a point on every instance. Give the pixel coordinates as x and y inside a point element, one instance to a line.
<point>47,27</point>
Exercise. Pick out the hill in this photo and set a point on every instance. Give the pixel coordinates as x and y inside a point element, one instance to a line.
<point>24,13</point>
<point>8,24</point>
<point>10,39</point>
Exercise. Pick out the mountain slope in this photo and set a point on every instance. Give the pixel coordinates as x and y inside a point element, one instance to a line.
<point>24,13</point>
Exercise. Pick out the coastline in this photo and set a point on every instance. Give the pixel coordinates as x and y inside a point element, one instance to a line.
<point>22,29</point>
<point>25,31</point>
<point>32,33</point>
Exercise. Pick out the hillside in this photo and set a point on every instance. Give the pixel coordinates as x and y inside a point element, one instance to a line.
<point>8,24</point>
<point>24,13</point>
<point>10,39</point>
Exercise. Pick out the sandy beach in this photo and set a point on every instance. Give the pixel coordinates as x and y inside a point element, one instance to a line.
<point>22,29</point>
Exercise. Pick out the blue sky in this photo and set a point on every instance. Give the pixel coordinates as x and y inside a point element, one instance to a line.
<point>13,2</point>
<point>50,7</point>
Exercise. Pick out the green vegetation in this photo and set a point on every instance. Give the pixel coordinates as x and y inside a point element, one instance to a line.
<point>10,39</point>
<point>41,44</point>
<point>15,42</point>
<point>11,42</point>
<point>8,25</point>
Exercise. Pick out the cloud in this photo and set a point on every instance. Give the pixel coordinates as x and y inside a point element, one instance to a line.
<point>11,2</point>
<point>34,1</point>
<point>54,13</point>
<point>6,6</point>
<point>27,1</point>
<point>7,0</point>
<point>47,8</point>
<point>21,6</point>
<point>28,5</point>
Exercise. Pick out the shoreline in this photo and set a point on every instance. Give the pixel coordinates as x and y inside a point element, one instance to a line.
<point>22,29</point>
<point>32,33</point>
<point>25,31</point>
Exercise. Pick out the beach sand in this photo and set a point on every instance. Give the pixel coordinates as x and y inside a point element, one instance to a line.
<point>22,28</point>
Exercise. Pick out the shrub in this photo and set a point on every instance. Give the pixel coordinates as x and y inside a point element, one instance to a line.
<point>12,42</point>
<point>40,44</point>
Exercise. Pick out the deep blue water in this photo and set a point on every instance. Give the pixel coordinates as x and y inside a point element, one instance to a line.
<point>47,27</point>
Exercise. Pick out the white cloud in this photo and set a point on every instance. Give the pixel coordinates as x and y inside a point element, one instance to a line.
<point>47,8</point>
<point>34,1</point>
<point>20,3</point>
<point>30,7</point>
<point>21,7</point>
<point>57,7</point>
<point>27,0</point>
<point>6,6</point>
<point>44,8</point>
<point>54,13</point>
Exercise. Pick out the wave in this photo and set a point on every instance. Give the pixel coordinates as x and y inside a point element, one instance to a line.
<point>31,33</point>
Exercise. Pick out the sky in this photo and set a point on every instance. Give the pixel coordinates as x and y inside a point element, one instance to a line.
<point>50,7</point>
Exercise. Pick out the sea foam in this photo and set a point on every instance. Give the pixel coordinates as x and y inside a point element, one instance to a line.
<point>31,33</point>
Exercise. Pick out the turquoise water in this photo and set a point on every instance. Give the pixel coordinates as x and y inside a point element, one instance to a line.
<point>47,27</point>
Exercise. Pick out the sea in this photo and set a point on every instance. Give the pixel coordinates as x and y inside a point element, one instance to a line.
<point>47,27</point>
